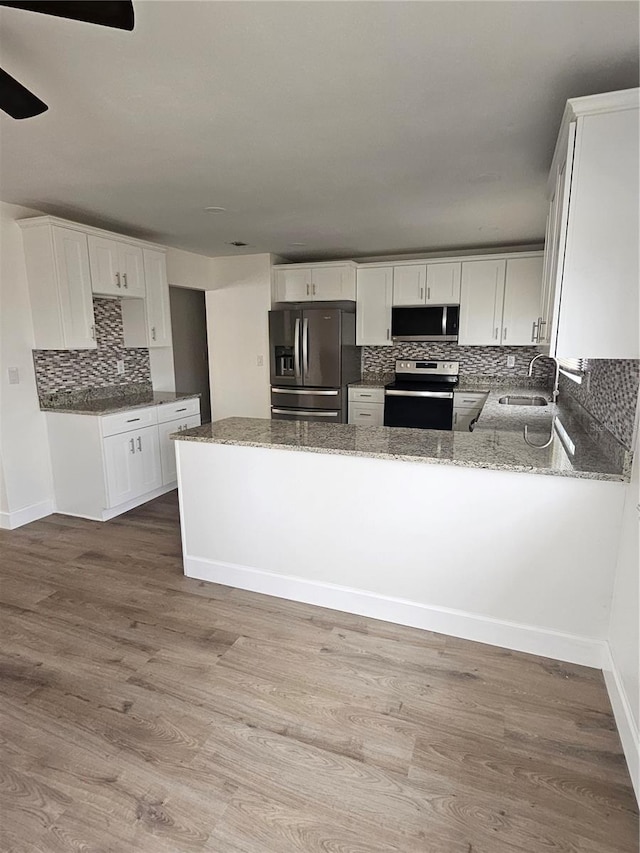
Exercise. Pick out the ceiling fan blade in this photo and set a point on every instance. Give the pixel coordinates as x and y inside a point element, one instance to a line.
<point>105,13</point>
<point>17,101</point>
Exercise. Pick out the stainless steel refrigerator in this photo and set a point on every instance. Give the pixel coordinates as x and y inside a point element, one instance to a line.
<point>313,357</point>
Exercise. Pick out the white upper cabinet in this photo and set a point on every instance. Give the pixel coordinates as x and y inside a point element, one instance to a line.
<point>330,282</point>
<point>595,309</point>
<point>158,312</point>
<point>410,284</point>
<point>443,283</point>
<point>481,301</point>
<point>116,268</point>
<point>373,306</point>
<point>523,285</point>
<point>57,261</point>
<point>427,284</point>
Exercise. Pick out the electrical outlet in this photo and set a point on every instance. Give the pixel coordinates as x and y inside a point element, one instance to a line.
<point>14,376</point>
<point>260,360</point>
<point>120,367</point>
<point>511,361</point>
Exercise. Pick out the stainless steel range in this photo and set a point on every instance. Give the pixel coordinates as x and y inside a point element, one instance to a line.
<point>421,396</point>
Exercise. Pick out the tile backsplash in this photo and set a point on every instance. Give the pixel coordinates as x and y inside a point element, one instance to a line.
<point>610,396</point>
<point>486,361</point>
<point>77,370</point>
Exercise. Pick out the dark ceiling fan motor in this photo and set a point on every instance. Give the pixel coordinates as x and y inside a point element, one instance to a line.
<point>15,99</point>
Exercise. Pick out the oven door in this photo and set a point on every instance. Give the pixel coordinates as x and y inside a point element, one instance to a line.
<point>418,409</point>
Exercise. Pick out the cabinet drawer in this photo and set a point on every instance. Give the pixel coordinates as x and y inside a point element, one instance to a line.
<point>370,414</point>
<point>468,401</point>
<point>128,420</point>
<point>178,410</point>
<point>366,395</point>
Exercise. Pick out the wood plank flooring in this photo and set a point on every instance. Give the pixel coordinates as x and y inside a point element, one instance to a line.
<point>142,711</point>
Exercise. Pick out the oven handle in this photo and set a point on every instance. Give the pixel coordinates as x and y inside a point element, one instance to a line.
<point>441,395</point>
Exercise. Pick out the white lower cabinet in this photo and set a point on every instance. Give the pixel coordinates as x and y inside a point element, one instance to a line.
<point>466,408</point>
<point>106,465</point>
<point>132,464</point>
<point>167,446</point>
<point>366,406</point>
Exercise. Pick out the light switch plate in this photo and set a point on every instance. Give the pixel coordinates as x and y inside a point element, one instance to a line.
<point>14,376</point>
<point>260,361</point>
<point>511,361</point>
<point>120,367</point>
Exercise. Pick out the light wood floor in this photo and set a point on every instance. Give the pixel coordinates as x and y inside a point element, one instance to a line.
<point>146,712</point>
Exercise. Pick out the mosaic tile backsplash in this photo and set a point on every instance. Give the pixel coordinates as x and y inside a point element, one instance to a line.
<point>76,370</point>
<point>486,361</point>
<point>611,396</point>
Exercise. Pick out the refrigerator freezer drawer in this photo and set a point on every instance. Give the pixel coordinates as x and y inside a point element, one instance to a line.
<point>306,398</point>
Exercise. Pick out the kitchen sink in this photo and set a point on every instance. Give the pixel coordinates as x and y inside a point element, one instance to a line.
<point>512,400</point>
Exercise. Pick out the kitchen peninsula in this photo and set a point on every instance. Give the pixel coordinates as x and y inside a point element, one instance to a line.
<point>452,532</point>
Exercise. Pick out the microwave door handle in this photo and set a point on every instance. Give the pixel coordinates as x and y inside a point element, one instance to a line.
<point>305,345</point>
<point>296,349</point>
<point>444,322</point>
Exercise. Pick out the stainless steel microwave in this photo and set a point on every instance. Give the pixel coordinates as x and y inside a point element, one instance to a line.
<point>425,323</point>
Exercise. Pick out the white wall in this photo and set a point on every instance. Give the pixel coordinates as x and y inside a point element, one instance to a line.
<point>623,669</point>
<point>186,269</point>
<point>25,487</point>
<point>237,327</point>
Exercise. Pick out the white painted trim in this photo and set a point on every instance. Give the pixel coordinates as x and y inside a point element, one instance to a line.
<point>627,728</point>
<point>456,623</point>
<point>108,514</point>
<point>11,520</point>
<point>35,221</point>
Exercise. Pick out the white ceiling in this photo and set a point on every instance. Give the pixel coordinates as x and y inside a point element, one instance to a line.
<point>356,128</point>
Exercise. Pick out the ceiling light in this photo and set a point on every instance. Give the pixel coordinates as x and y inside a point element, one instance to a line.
<point>215,209</point>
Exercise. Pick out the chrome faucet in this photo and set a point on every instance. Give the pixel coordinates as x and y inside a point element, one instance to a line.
<point>555,392</point>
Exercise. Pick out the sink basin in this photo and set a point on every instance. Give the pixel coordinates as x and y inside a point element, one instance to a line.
<point>513,400</point>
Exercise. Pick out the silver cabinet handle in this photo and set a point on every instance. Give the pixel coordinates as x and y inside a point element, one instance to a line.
<point>118,280</point>
<point>185,426</point>
<point>495,334</point>
<point>504,333</point>
<point>428,293</point>
<point>364,395</point>
<point>124,278</point>
<point>305,345</point>
<point>364,414</point>
<point>153,333</point>
<point>541,323</point>
<point>455,417</point>
<point>421,294</point>
<point>139,440</point>
<point>132,420</point>
<point>184,409</point>
<point>131,446</point>
<point>313,289</point>
<point>307,290</point>
<point>388,334</point>
<point>534,331</point>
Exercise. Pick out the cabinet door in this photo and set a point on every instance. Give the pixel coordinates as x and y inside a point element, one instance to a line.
<point>333,283</point>
<point>523,285</point>
<point>131,270</point>
<point>121,468</point>
<point>443,284</point>
<point>293,285</point>
<point>168,448</point>
<point>409,284</point>
<point>373,306</point>
<point>74,288</point>
<point>104,257</point>
<point>481,298</point>
<point>158,312</point>
<point>149,475</point>
<point>463,418</point>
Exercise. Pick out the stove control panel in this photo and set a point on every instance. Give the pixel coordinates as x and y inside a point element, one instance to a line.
<point>428,368</point>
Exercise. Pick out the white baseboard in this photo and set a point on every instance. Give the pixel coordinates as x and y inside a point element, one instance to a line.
<point>457,623</point>
<point>11,520</point>
<point>627,728</point>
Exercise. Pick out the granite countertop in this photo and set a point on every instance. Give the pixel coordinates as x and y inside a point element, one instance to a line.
<point>84,403</point>
<point>496,443</point>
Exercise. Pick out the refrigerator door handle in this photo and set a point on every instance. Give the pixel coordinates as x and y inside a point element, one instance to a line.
<point>296,350</point>
<point>305,345</point>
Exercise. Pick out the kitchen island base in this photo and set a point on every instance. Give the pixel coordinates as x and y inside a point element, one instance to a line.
<point>512,559</point>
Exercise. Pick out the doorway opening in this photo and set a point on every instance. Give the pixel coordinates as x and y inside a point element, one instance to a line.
<point>190,346</point>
